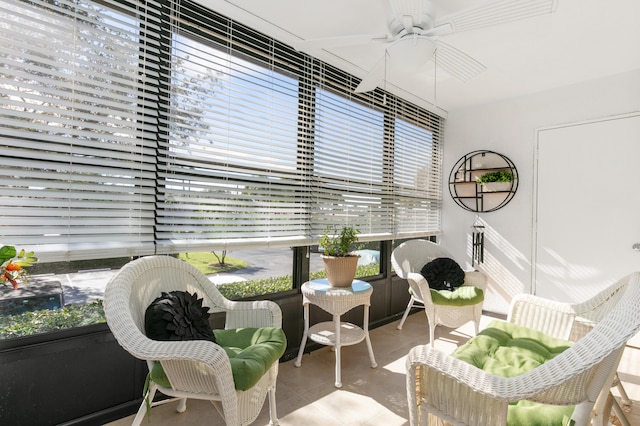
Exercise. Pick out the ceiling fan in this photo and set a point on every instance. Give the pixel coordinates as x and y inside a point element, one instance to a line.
<point>415,36</point>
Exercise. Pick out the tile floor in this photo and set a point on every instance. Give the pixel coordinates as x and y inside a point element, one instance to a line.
<point>307,396</point>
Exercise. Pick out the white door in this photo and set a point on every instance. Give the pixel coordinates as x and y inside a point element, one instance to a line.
<point>587,216</point>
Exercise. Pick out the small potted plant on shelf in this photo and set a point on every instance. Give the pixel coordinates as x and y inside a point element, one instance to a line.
<point>499,180</point>
<point>339,263</point>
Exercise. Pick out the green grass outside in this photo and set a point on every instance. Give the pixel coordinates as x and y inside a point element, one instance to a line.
<point>207,263</point>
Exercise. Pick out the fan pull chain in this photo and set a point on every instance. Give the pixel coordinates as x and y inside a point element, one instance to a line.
<point>435,78</point>
<point>384,94</point>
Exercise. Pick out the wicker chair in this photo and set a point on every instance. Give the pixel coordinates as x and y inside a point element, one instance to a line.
<point>407,260</point>
<point>443,388</point>
<point>196,369</point>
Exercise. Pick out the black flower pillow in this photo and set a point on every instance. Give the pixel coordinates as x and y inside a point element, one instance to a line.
<point>178,315</point>
<point>443,273</point>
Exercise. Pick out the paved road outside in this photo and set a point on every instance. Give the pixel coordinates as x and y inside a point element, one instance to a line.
<point>82,287</point>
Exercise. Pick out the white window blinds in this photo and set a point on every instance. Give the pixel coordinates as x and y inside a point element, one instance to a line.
<point>417,172</point>
<point>131,128</point>
<point>376,162</point>
<point>77,130</point>
<point>350,186</point>
<point>229,165</point>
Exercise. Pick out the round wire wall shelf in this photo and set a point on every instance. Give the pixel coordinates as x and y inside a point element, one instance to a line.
<point>483,181</point>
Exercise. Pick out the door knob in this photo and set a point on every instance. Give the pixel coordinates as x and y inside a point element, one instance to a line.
<point>636,246</point>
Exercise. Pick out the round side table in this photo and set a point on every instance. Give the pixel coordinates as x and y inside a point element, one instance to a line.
<point>336,301</point>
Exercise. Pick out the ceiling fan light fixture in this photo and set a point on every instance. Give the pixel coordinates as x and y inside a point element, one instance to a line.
<point>411,51</point>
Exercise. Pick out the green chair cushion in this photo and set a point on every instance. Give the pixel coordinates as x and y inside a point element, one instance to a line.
<point>508,350</point>
<point>527,413</point>
<point>158,375</point>
<point>251,352</point>
<point>462,296</point>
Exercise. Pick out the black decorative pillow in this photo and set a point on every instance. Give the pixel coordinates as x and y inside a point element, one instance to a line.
<point>443,274</point>
<point>177,315</point>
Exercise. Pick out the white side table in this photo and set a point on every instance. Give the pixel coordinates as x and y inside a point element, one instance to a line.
<point>336,301</point>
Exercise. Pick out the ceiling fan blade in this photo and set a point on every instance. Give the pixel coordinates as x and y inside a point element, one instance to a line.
<point>315,44</point>
<point>498,12</point>
<point>410,14</point>
<point>439,30</point>
<point>407,7</point>
<point>374,77</point>
<point>457,63</point>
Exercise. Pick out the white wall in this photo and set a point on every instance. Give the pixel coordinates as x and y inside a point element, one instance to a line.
<point>509,127</point>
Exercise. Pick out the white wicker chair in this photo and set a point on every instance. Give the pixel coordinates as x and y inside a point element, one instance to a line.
<point>196,369</point>
<point>440,387</point>
<point>407,260</point>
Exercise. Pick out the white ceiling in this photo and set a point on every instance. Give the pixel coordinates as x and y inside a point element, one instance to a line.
<point>582,40</point>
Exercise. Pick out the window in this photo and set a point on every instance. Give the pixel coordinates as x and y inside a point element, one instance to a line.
<point>349,182</point>
<point>137,128</point>
<point>228,169</point>
<point>77,139</point>
<point>254,272</point>
<point>416,176</point>
<point>206,134</point>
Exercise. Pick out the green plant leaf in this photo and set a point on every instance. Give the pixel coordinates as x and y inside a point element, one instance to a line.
<point>338,244</point>
<point>6,253</point>
<point>497,176</point>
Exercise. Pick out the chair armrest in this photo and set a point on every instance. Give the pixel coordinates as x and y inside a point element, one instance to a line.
<point>453,390</point>
<point>420,287</point>
<point>463,373</point>
<point>437,383</point>
<point>550,317</point>
<point>260,313</point>
<point>198,352</point>
<point>187,362</point>
<point>476,278</point>
<point>140,346</point>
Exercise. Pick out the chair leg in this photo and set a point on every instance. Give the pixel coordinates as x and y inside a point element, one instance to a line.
<point>620,414</point>
<point>478,316</point>
<point>613,403</point>
<point>182,405</point>
<point>610,404</point>
<point>406,313</point>
<point>273,414</point>
<point>624,398</point>
<point>432,333</point>
<point>142,411</point>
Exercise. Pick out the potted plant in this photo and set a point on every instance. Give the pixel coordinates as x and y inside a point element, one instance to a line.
<point>12,264</point>
<point>339,263</point>
<point>499,180</point>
